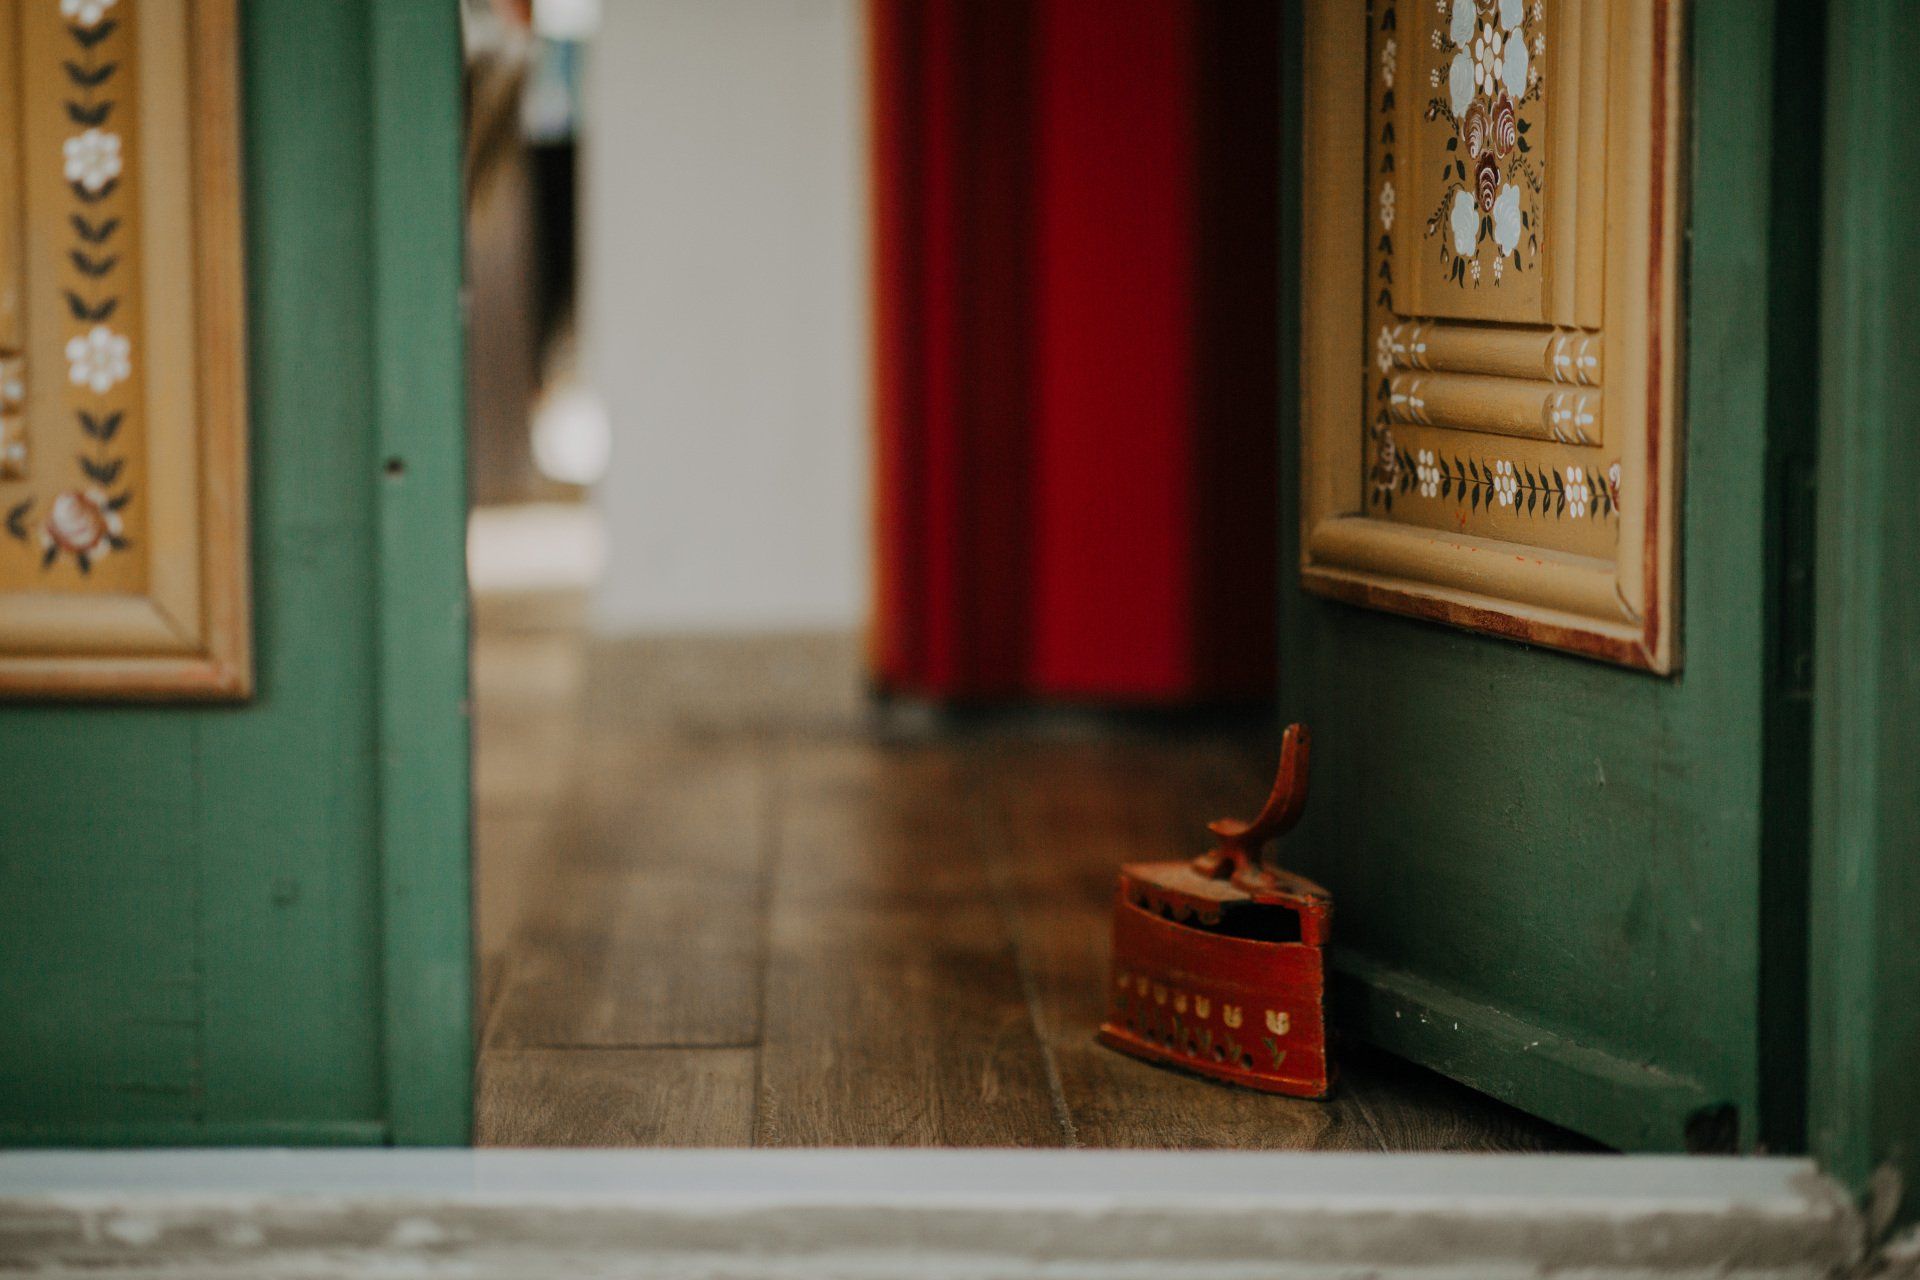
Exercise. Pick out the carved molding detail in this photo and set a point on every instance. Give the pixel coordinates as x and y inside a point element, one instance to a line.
<point>1499,406</point>
<point>1488,390</point>
<point>1560,355</point>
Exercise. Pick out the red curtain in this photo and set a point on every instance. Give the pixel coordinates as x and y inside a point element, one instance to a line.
<point>1075,224</point>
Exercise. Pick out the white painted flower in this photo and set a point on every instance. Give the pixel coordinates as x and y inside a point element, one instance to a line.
<point>93,158</point>
<point>1389,60</point>
<point>1497,264</point>
<point>1231,1014</point>
<point>1540,45</point>
<point>1387,198</point>
<point>1279,1022</point>
<point>1506,218</point>
<point>1512,13</point>
<point>1464,16</point>
<point>1437,40</point>
<point>1202,1007</point>
<point>1427,472</point>
<point>1613,484</point>
<point>1487,52</point>
<point>1473,269</point>
<point>1577,492</point>
<point>99,358</point>
<point>1433,78</point>
<point>1383,349</point>
<point>1460,82</point>
<point>82,523</point>
<point>85,13</point>
<point>1465,221</point>
<point>1505,484</point>
<point>1513,66</point>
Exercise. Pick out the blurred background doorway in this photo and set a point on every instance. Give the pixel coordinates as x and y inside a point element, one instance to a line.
<point>874,412</point>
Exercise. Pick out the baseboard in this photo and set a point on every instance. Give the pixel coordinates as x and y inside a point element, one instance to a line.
<point>186,1133</point>
<point>1622,1103</point>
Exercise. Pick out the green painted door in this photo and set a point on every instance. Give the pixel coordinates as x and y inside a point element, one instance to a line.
<point>249,923</point>
<point>1864,1106</point>
<point>1578,887</point>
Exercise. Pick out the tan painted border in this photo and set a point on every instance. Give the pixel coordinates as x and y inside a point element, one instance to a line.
<point>1620,610</point>
<point>191,636</point>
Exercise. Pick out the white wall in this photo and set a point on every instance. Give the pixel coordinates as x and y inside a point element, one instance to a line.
<point>725,311</point>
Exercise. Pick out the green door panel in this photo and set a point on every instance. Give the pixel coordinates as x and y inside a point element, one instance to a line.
<point>248,923</point>
<point>1864,1119</point>
<point>1548,871</point>
<point>107,1043</point>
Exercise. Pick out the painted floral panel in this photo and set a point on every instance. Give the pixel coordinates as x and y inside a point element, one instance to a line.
<point>1457,145</point>
<point>1485,90</point>
<point>74,521</point>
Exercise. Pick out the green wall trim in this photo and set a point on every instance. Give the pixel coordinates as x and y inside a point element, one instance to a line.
<point>247,923</point>
<point>251,1133</point>
<point>1864,1112</point>
<point>1622,1103</point>
<point>421,567</point>
<point>1793,378</point>
<point>1574,848</point>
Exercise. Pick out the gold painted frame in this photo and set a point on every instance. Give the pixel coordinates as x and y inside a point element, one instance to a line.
<point>1618,608</point>
<point>164,612</point>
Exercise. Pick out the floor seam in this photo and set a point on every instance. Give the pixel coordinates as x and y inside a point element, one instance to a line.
<point>637,1046</point>
<point>768,835</point>
<point>1003,900</point>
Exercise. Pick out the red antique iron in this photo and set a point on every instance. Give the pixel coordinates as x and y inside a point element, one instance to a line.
<point>1219,964</point>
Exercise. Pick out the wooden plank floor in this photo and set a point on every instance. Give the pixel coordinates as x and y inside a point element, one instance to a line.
<point>743,934</point>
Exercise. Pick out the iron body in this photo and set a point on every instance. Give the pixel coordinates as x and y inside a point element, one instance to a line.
<point>1219,963</point>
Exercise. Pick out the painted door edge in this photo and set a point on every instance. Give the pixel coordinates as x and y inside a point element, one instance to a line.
<point>1863,1107</point>
<point>420,565</point>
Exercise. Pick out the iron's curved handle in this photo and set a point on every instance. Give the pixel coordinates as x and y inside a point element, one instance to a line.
<point>1240,841</point>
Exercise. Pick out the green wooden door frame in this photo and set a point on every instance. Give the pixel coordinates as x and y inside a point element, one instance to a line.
<point>1864,1112</point>
<point>420,558</point>
<point>249,923</point>
<point>1804,212</point>
<point>1556,875</point>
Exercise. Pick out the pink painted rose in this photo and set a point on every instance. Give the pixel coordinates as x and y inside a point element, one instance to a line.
<point>81,522</point>
<point>1486,181</point>
<point>1506,125</point>
<point>1476,128</point>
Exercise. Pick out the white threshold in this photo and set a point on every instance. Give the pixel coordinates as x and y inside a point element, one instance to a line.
<point>894,1214</point>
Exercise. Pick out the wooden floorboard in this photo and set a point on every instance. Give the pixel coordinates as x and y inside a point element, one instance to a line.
<point>512,859</point>
<point>615,1098</point>
<point>747,933</point>
<point>1414,1109</point>
<point>648,932</point>
<point>1063,819</point>
<point>895,1013</point>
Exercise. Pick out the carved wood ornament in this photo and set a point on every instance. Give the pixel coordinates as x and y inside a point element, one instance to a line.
<point>1489,322</point>
<point>123,558</point>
